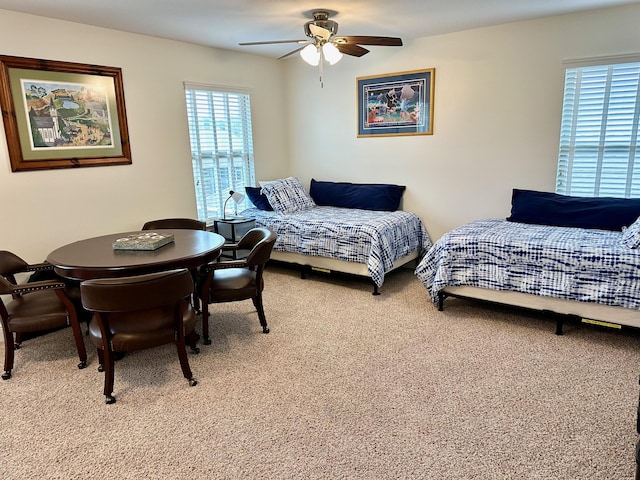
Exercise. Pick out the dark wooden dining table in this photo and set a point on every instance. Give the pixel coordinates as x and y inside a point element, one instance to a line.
<point>96,258</point>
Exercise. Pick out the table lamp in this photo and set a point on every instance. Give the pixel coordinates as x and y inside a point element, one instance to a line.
<point>237,197</point>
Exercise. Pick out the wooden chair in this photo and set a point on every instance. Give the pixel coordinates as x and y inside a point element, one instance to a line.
<point>235,280</point>
<point>35,307</point>
<point>136,313</point>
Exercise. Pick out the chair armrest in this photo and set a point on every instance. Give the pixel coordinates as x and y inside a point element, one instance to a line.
<point>225,264</point>
<point>37,286</point>
<point>35,267</point>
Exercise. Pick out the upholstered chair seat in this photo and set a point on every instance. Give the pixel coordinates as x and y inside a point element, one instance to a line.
<point>40,311</point>
<point>139,330</point>
<point>228,285</point>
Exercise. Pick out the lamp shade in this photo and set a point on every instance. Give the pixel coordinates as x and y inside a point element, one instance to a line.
<point>237,198</point>
<point>331,53</point>
<point>311,55</point>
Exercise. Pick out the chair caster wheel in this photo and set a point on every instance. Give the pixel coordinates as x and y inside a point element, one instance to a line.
<point>6,375</point>
<point>82,365</point>
<point>265,329</point>
<point>193,382</point>
<point>101,368</point>
<point>108,399</point>
<point>195,350</point>
<point>207,341</point>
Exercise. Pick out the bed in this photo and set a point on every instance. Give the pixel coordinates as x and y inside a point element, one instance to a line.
<point>589,273</point>
<point>325,235</point>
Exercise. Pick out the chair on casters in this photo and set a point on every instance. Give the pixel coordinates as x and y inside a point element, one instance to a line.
<point>135,313</point>
<point>235,280</point>
<point>36,306</point>
<point>179,224</point>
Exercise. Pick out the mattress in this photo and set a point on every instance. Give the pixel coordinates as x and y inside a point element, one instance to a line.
<point>582,265</point>
<point>373,238</point>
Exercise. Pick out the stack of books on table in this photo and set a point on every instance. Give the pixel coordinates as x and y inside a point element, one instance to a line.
<point>143,241</point>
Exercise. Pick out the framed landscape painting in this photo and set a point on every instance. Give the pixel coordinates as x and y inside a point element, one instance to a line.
<point>62,114</point>
<point>396,104</point>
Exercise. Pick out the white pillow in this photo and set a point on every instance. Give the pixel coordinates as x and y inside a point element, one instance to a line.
<point>287,195</point>
<point>631,235</point>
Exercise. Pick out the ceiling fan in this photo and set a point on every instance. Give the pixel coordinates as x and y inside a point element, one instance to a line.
<point>323,42</point>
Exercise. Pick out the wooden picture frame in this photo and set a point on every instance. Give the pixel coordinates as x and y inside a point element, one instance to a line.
<point>62,114</point>
<point>396,104</point>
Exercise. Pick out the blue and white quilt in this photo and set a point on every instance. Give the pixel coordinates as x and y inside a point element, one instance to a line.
<point>570,263</point>
<point>373,238</point>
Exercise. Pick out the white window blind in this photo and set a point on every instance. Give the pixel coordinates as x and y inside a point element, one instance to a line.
<point>599,131</point>
<point>221,146</point>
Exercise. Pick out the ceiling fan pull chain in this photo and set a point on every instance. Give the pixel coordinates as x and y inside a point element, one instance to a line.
<point>320,67</point>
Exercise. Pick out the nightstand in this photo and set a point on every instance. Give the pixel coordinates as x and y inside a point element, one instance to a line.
<point>232,229</point>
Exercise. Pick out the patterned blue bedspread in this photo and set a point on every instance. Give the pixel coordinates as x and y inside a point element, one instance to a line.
<point>373,238</point>
<point>570,263</point>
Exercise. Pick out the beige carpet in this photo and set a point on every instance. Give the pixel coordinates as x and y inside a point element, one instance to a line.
<point>346,386</point>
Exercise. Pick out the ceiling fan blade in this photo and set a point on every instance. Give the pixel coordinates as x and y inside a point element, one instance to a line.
<point>317,31</point>
<point>272,42</point>
<point>351,49</point>
<point>291,52</point>
<point>369,40</point>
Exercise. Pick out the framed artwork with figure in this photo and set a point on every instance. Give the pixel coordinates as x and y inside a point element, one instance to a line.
<point>62,114</point>
<point>396,104</point>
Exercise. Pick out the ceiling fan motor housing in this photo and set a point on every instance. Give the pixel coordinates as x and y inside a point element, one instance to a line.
<point>322,31</point>
<point>321,19</point>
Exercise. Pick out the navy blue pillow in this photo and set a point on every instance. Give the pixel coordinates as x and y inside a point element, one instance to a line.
<point>258,199</point>
<point>366,196</point>
<point>545,208</point>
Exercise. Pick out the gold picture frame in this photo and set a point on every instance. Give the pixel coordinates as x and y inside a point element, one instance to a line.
<point>62,114</point>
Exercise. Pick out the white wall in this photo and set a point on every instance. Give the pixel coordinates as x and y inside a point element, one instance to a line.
<point>498,95</point>
<point>498,98</point>
<point>43,210</point>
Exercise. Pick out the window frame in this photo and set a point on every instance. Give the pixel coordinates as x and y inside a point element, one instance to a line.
<point>221,145</point>
<point>594,157</point>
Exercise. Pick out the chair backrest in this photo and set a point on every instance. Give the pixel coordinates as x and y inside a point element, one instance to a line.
<point>177,223</point>
<point>10,263</point>
<point>142,292</point>
<point>259,241</point>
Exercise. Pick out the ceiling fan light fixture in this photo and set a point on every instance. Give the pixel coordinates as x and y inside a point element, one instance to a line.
<point>331,53</point>
<point>322,42</point>
<point>311,55</point>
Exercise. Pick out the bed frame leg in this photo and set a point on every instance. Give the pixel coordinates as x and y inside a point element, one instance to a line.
<point>303,272</point>
<point>441,297</point>
<point>559,324</point>
<point>375,290</point>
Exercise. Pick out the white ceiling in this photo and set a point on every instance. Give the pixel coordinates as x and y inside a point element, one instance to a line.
<point>225,23</point>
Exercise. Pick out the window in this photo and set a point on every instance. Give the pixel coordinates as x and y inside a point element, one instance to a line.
<point>221,146</point>
<point>599,131</point>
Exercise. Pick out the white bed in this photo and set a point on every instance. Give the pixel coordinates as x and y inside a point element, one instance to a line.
<point>584,273</point>
<point>353,241</point>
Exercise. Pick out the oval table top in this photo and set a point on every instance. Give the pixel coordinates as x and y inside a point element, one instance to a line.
<point>96,258</point>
